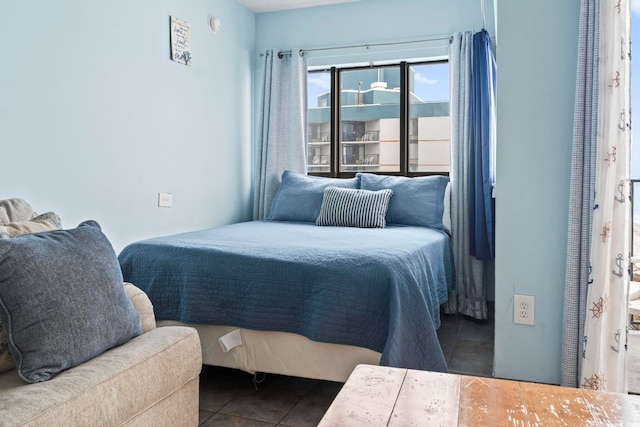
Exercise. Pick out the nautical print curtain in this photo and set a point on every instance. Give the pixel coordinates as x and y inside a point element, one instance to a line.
<point>596,289</point>
<point>283,125</point>
<point>605,342</point>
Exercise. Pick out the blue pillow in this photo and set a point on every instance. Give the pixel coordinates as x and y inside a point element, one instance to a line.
<point>62,300</point>
<point>416,201</point>
<point>300,196</point>
<point>347,207</point>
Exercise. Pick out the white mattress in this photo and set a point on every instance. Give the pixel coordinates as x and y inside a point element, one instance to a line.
<point>281,353</point>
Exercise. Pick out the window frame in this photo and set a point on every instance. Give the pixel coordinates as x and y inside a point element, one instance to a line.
<point>404,118</point>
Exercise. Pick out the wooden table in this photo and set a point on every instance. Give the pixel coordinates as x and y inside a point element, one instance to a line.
<point>381,396</point>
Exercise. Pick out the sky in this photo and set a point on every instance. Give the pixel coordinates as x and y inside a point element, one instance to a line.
<point>317,84</point>
<point>431,83</point>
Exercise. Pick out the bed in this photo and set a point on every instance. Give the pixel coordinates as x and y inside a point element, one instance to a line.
<point>308,301</point>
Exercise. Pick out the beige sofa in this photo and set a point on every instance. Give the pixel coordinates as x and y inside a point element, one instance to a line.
<point>151,380</point>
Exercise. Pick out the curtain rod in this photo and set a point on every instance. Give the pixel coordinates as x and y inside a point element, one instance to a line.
<point>368,45</point>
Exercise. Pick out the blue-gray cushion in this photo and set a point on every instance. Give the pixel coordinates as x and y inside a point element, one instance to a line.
<point>62,300</point>
<point>347,207</point>
<point>416,201</point>
<point>299,197</point>
<point>44,222</point>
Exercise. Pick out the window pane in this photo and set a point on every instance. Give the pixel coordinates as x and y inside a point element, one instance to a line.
<point>429,118</point>
<point>319,122</point>
<point>370,120</point>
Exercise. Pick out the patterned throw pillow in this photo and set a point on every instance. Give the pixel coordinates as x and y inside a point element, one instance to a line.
<point>346,207</point>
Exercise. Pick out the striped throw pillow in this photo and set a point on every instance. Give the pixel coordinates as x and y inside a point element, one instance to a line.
<point>347,207</point>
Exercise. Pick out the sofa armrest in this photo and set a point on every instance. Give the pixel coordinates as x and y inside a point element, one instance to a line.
<point>143,306</point>
<point>151,380</point>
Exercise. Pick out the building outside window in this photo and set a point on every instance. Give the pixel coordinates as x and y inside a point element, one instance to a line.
<point>384,123</point>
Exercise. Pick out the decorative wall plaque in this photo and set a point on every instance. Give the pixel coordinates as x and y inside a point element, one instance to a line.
<point>180,41</point>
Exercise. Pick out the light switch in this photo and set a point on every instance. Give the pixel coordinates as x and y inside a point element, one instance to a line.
<point>165,200</point>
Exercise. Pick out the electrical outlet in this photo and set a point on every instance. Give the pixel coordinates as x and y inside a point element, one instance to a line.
<point>524,309</point>
<point>165,200</point>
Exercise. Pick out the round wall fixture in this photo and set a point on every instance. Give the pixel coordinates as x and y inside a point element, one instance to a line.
<point>214,24</point>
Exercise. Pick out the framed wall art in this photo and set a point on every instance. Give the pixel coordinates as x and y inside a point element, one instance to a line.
<point>180,41</point>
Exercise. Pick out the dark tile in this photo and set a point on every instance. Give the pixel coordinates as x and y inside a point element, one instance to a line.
<point>448,330</point>
<point>217,373</point>
<point>448,335</point>
<point>326,388</point>
<point>282,382</point>
<point>476,330</point>
<point>215,394</point>
<point>448,345</point>
<point>221,420</point>
<point>212,399</point>
<point>204,416</point>
<point>450,319</point>
<point>472,358</point>
<point>264,404</point>
<point>308,412</point>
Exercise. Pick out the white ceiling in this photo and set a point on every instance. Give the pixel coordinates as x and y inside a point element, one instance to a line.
<point>259,6</point>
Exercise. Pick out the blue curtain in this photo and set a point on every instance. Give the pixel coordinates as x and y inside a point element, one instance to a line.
<point>283,125</point>
<point>469,295</point>
<point>482,148</point>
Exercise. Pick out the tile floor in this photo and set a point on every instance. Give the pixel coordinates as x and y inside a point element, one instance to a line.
<point>229,397</point>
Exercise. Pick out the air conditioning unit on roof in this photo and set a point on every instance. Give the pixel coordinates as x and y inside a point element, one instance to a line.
<point>379,85</point>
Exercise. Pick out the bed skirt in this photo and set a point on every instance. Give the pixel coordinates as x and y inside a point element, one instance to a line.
<point>280,353</point>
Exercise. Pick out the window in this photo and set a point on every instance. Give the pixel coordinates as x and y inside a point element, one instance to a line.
<point>319,122</point>
<point>390,119</point>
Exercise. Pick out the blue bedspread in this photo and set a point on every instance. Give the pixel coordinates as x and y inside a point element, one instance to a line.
<point>374,288</point>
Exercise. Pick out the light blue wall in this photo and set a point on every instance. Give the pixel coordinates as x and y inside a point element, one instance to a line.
<point>537,51</point>
<point>370,21</point>
<point>95,119</point>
